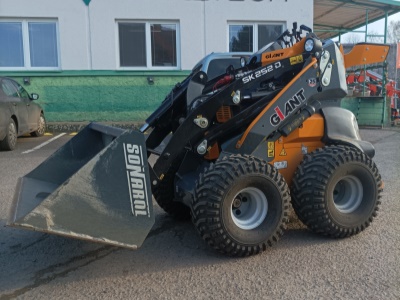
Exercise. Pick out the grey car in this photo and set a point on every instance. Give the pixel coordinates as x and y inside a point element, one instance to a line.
<point>19,114</point>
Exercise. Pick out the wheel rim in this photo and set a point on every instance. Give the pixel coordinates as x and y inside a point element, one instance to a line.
<point>249,208</point>
<point>348,194</point>
<point>12,134</point>
<point>41,127</point>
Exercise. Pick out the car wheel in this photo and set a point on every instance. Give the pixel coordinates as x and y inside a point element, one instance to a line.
<point>241,205</point>
<point>10,141</point>
<point>336,191</point>
<point>41,127</point>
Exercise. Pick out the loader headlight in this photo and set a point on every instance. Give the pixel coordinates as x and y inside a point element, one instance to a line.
<point>309,45</point>
<point>242,61</point>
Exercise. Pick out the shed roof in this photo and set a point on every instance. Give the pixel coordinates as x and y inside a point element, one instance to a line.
<point>330,16</point>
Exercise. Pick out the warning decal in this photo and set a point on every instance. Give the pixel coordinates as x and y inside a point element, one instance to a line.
<point>271,149</point>
<point>283,152</point>
<point>296,59</point>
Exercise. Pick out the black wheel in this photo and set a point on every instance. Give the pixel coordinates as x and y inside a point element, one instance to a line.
<point>241,205</point>
<point>10,141</point>
<point>336,191</point>
<point>164,194</point>
<point>41,127</point>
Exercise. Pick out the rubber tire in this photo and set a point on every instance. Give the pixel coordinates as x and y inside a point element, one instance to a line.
<point>41,128</point>
<point>313,184</point>
<point>164,195</point>
<point>212,205</point>
<point>10,141</point>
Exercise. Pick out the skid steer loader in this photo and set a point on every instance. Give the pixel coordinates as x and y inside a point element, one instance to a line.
<point>232,152</point>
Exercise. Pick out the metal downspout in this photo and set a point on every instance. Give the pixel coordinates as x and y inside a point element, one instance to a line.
<point>89,35</point>
<point>384,74</point>
<point>365,40</point>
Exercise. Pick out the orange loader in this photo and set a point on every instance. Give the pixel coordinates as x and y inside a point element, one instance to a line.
<point>232,153</point>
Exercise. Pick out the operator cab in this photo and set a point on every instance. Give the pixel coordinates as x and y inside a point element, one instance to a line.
<point>215,64</point>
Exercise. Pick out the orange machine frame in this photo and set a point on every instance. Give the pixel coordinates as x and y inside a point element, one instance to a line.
<point>291,149</point>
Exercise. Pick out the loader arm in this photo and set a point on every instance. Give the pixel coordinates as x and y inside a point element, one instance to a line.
<point>189,136</point>
<point>324,78</point>
<point>260,71</point>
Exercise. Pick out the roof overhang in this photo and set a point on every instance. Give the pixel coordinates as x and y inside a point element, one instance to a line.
<point>339,16</point>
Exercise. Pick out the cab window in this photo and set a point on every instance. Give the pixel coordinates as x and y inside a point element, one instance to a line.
<point>218,66</point>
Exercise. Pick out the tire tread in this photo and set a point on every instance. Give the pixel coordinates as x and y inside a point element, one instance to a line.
<point>210,187</point>
<point>310,180</point>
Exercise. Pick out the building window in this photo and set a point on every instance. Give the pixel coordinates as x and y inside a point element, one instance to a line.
<point>132,44</point>
<point>43,44</point>
<point>241,38</point>
<point>150,45</point>
<point>252,37</point>
<point>29,45</point>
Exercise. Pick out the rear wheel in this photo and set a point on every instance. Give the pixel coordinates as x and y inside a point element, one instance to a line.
<point>10,141</point>
<point>336,191</point>
<point>41,127</point>
<point>164,195</point>
<point>241,205</point>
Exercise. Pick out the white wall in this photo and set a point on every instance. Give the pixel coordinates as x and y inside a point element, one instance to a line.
<point>203,24</point>
<point>104,13</point>
<point>219,13</point>
<point>72,25</point>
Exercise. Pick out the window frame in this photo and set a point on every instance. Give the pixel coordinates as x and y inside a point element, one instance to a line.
<point>26,46</point>
<point>255,31</point>
<point>149,65</point>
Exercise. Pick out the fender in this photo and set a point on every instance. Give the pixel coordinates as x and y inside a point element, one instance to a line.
<point>341,127</point>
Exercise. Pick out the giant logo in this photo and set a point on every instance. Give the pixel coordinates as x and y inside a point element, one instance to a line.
<point>290,106</point>
<point>136,179</point>
<point>275,55</point>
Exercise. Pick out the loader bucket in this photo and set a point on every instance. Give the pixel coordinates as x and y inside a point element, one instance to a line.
<point>96,187</point>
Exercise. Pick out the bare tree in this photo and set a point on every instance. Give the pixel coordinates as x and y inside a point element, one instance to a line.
<point>353,38</point>
<point>374,38</point>
<point>393,32</point>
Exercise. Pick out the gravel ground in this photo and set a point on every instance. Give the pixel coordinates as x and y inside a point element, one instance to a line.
<point>174,263</point>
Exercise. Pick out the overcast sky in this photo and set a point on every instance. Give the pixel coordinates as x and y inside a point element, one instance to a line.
<point>377,27</point>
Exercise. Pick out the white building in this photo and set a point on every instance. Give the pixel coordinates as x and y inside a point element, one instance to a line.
<point>136,34</point>
<point>59,46</point>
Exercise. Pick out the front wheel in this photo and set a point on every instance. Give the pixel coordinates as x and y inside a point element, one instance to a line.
<point>336,191</point>
<point>241,205</point>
